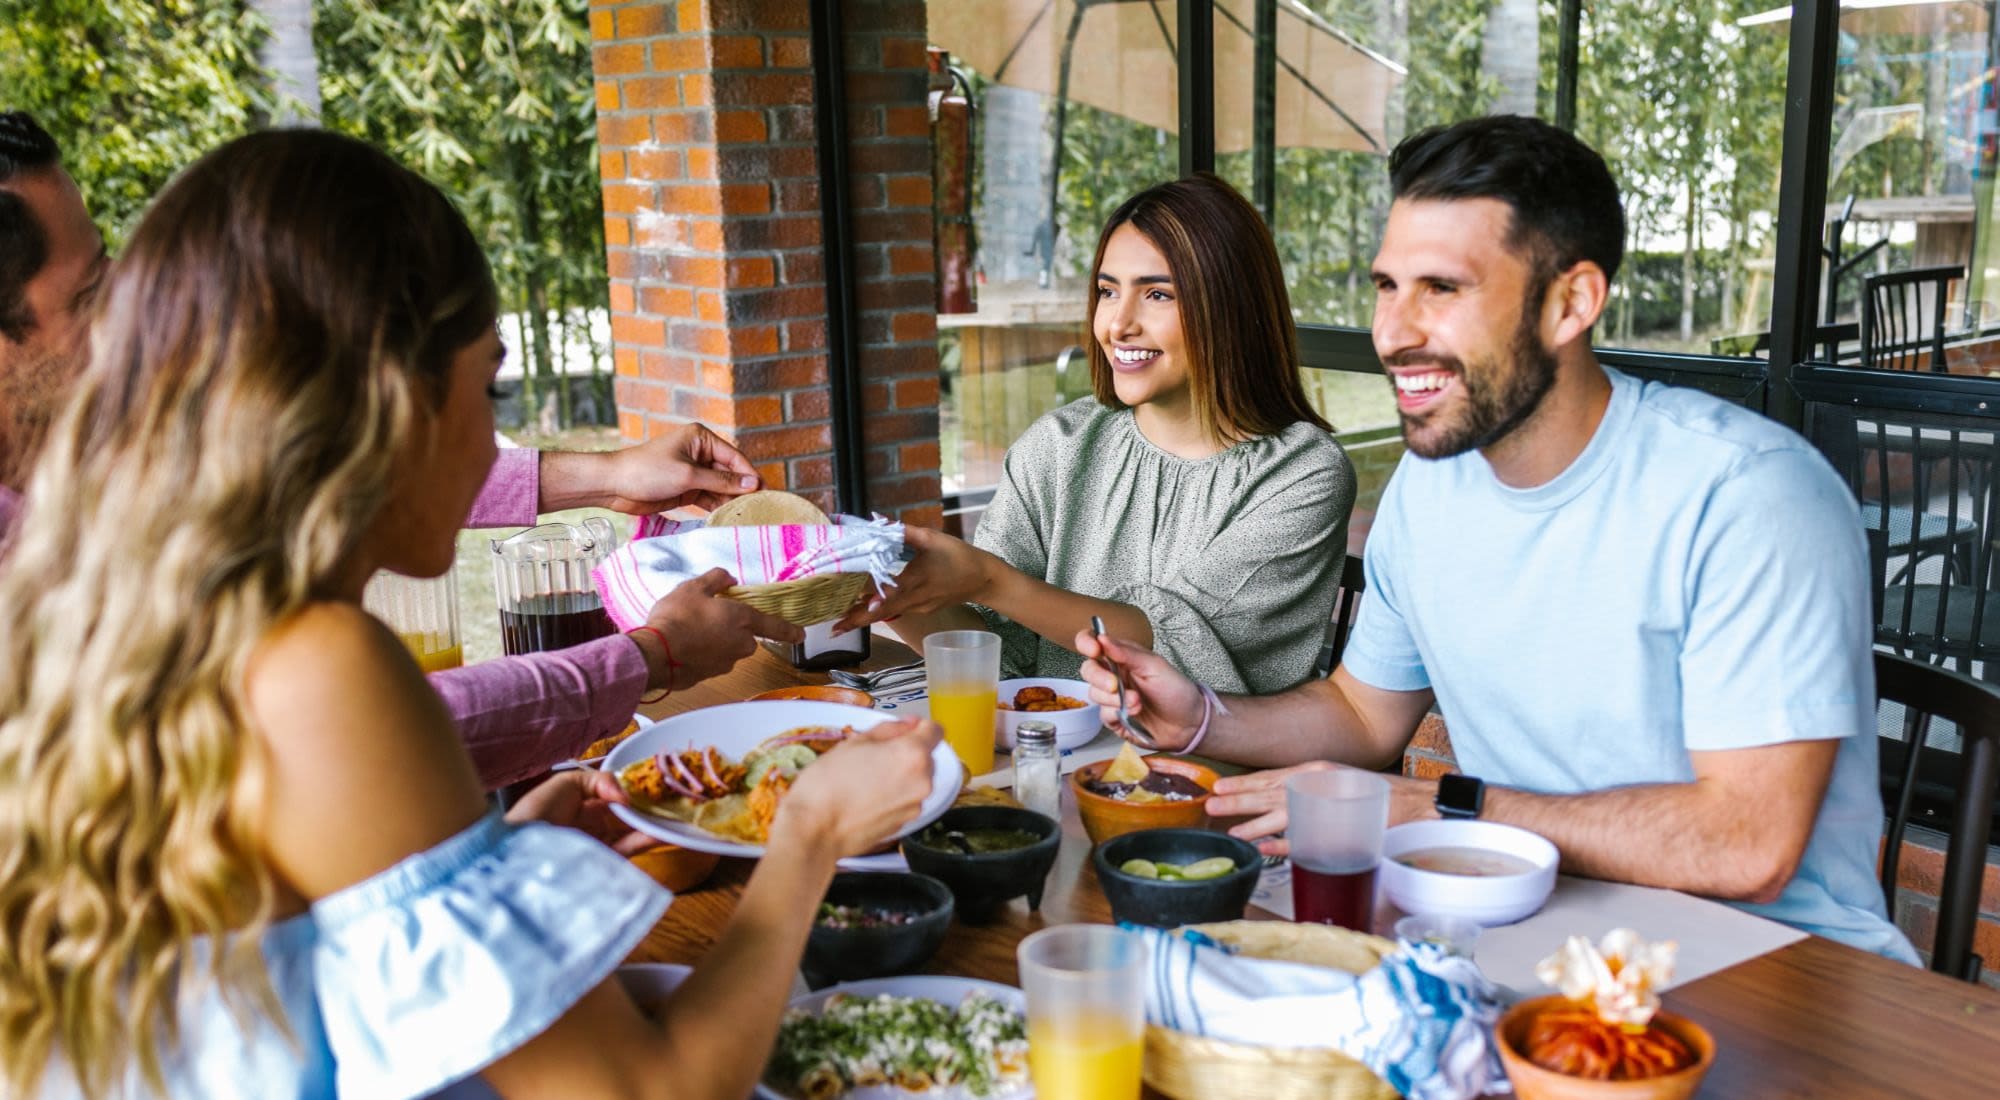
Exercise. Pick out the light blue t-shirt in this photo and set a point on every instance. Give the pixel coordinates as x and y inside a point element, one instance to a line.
<point>1696,580</point>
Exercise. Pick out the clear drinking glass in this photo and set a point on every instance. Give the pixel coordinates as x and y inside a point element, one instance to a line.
<point>962,668</point>
<point>423,612</point>
<point>1337,819</point>
<point>541,578</point>
<point>1086,1011</point>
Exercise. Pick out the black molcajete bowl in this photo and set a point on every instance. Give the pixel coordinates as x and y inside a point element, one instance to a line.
<point>851,954</point>
<point>1165,903</point>
<point>984,881</point>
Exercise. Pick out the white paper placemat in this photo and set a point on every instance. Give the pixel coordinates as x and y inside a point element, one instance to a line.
<point>1712,936</point>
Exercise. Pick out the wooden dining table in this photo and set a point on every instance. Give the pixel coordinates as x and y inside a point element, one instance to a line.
<point>1813,1019</point>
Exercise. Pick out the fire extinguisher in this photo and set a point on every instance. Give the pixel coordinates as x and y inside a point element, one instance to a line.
<point>951,184</point>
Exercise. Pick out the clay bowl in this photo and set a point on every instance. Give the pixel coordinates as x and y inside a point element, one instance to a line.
<point>1532,1082</point>
<point>1104,818</point>
<point>677,869</point>
<point>982,882</point>
<point>852,954</point>
<point>820,693</point>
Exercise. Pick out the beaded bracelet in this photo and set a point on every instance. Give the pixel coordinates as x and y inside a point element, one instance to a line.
<point>671,663</point>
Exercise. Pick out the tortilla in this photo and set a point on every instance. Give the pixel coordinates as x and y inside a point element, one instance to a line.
<point>1127,768</point>
<point>767,508</point>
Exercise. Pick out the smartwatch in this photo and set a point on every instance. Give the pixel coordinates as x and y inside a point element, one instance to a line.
<point>1460,796</point>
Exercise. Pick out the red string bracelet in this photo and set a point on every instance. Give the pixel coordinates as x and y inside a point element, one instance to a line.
<point>671,663</point>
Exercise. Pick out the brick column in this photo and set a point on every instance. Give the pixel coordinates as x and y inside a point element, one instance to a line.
<point>713,237</point>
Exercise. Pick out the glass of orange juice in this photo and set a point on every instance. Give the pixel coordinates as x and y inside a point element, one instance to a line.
<point>1086,1011</point>
<point>422,612</point>
<point>963,670</point>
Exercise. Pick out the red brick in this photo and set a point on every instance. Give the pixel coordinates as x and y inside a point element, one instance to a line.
<point>773,474</point>
<point>627,198</point>
<point>607,91</point>
<point>1921,869</point>
<point>702,271</point>
<point>640,396</point>
<point>697,90</point>
<point>736,52</point>
<point>917,456</point>
<point>631,426</point>
<point>929,515</point>
<point>1424,767</point>
<point>652,91</point>
<point>658,165</point>
<point>747,199</point>
<point>867,193</point>
<point>619,263</point>
<point>668,301</point>
<point>875,397</point>
<point>901,226</point>
<point>909,191</point>
<point>891,156</point>
<point>625,361</point>
<point>878,295</point>
<point>617,230</point>
<point>679,55</point>
<point>910,327</point>
<point>901,427</point>
<point>781,374</point>
<point>771,15</point>
<point>700,339</point>
<point>788,442</point>
<point>772,234</point>
<point>918,361</point>
<point>921,489</point>
<point>701,163</point>
<point>805,336</point>
<point>816,404</point>
<point>644,21</point>
<point>793,124</point>
<point>762,89</point>
<point>680,127</point>
<point>735,126</point>
<point>906,122</point>
<point>884,87</point>
<point>803,268</point>
<point>616,130</point>
<point>619,59</point>
<point>910,259</point>
<point>904,53</point>
<point>622,298</point>
<point>638,331</point>
<point>749,343</point>
<point>1432,737</point>
<point>778,304</point>
<point>799,196</point>
<point>752,271</point>
<point>706,407</point>
<point>812,473</point>
<point>656,365</point>
<point>791,52</point>
<point>878,463</point>
<point>706,234</point>
<point>917,393</point>
<point>762,411</point>
<point>601,25</point>
<point>693,16</point>
<point>610,165</point>
<point>708,307</point>
<point>718,375</point>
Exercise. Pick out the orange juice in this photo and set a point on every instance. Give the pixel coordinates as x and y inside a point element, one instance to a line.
<point>966,713</point>
<point>432,654</point>
<point>1093,1058</point>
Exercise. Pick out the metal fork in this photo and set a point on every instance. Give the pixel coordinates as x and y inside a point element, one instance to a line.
<point>878,677</point>
<point>1139,732</point>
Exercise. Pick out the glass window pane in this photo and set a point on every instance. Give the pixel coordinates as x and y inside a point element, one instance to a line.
<point>1094,92</point>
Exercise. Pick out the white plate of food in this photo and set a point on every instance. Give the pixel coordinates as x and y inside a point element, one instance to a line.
<point>1063,704</point>
<point>711,779</point>
<point>983,1023</point>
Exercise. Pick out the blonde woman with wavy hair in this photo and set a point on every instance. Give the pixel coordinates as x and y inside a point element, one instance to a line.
<point>242,852</point>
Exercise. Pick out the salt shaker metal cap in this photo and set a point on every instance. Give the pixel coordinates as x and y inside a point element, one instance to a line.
<point>1034,733</point>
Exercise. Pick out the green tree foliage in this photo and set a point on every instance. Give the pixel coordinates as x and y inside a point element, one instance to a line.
<point>134,90</point>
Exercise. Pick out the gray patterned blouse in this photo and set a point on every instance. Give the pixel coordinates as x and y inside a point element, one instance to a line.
<point>1233,558</point>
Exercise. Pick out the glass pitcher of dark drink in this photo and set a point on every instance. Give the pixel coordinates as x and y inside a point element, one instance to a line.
<point>541,578</point>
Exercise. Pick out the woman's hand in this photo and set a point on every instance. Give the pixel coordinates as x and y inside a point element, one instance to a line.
<point>946,572</point>
<point>582,799</point>
<point>858,795</point>
<point>687,466</point>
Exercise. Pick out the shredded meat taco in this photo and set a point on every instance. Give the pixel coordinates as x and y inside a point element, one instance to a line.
<point>737,800</point>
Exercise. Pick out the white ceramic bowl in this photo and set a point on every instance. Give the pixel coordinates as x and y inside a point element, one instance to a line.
<point>1485,899</point>
<point>1073,727</point>
<point>736,728</point>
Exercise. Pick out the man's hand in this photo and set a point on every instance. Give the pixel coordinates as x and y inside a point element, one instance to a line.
<point>945,572</point>
<point>688,467</point>
<point>708,632</point>
<point>1166,702</point>
<point>1260,796</point>
<point>582,799</point>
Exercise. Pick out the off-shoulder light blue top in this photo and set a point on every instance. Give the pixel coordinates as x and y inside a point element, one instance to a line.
<point>414,980</point>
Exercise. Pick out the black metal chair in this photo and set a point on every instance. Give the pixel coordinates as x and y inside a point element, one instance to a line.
<point>1353,581</point>
<point>1918,774</point>
<point>1902,318</point>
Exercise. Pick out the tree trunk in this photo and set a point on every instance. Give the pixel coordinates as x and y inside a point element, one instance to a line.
<point>287,53</point>
<point>1688,249</point>
<point>1510,54</point>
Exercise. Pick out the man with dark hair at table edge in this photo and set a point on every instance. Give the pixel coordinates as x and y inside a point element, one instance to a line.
<point>1585,573</point>
<point>518,715</point>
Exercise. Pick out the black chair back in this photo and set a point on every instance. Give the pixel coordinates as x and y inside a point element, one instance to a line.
<point>1353,580</point>
<point>1902,318</point>
<point>1925,692</point>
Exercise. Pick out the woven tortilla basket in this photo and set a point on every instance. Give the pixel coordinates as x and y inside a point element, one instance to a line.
<point>807,602</point>
<point>1190,1067</point>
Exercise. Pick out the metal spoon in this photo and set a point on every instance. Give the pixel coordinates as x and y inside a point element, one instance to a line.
<point>1139,732</point>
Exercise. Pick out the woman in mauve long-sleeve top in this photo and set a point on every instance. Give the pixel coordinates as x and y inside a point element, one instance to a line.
<point>1196,501</point>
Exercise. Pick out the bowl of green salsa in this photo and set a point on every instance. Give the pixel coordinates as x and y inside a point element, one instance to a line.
<point>987,856</point>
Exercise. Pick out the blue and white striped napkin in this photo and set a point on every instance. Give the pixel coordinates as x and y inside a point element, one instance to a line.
<point>1422,1020</point>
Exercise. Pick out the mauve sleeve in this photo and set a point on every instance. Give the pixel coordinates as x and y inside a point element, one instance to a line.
<point>520,715</point>
<point>512,493</point>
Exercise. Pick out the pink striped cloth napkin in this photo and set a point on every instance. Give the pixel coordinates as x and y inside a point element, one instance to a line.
<point>665,552</point>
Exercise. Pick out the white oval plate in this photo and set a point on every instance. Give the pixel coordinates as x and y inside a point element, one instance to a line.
<point>934,987</point>
<point>736,728</point>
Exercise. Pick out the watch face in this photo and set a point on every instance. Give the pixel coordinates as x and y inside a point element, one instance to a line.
<point>1460,795</point>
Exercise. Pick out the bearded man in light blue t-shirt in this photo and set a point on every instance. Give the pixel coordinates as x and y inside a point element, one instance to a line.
<point>1643,611</point>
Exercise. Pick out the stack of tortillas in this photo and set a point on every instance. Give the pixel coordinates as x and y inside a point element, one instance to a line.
<point>803,602</point>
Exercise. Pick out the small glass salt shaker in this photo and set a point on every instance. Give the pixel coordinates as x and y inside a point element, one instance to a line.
<point>1036,779</point>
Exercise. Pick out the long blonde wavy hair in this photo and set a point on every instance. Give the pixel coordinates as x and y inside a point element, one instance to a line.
<point>268,351</point>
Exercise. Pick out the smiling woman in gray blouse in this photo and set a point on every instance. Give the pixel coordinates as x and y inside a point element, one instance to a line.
<point>1196,502</point>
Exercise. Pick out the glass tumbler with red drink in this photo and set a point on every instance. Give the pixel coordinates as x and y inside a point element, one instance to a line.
<point>1337,819</point>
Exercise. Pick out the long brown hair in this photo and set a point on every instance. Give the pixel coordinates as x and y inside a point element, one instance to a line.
<point>272,346</point>
<point>1236,318</point>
